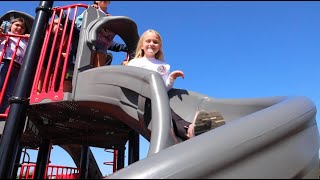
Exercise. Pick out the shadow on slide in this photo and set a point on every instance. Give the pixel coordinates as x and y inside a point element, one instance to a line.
<point>273,137</point>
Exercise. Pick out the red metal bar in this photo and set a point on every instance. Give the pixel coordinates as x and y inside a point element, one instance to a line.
<point>114,162</point>
<point>1,59</point>
<point>115,155</point>
<point>21,172</point>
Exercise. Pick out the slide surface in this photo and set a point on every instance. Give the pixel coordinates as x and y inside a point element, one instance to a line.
<point>271,137</point>
<point>275,137</point>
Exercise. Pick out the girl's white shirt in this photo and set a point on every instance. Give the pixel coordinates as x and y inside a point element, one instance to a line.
<point>11,48</point>
<point>155,65</point>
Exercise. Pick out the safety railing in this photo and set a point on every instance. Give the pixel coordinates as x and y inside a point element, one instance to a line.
<point>26,171</point>
<point>55,54</point>
<point>12,47</point>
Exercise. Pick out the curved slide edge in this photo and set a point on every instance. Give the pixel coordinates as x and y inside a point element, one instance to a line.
<point>108,85</point>
<point>281,141</point>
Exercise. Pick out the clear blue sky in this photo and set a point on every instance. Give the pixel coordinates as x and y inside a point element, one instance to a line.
<point>226,49</point>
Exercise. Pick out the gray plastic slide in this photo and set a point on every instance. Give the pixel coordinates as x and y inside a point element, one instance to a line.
<point>274,137</point>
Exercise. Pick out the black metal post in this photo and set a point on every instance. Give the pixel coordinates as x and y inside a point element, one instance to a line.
<point>16,164</point>
<point>42,159</point>
<point>133,150</point>
<point>120,159</point>
<point>17,116</point>
<point>84,162</point>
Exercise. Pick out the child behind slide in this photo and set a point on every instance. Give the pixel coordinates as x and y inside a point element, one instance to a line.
<point>101,56</point>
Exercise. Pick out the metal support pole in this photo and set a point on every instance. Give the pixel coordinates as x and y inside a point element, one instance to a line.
<point>16,164</point>
<point>42,159</point>
<point>17,116</point>
<point>115,160</point>
<point>133,151</point>
<point>120,161</point>
<point>84,162</point>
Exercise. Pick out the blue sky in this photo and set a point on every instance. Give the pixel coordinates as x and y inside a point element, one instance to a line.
<point>227,49</point>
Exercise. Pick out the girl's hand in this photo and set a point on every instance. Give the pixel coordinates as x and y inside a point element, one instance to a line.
<point>176,74</point>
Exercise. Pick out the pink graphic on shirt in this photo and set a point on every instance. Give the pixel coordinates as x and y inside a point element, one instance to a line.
<point>162,70</point>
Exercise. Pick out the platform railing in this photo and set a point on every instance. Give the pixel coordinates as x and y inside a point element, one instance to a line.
<point>55,53</point>
<point>27,171</point>
<point>15,41</point>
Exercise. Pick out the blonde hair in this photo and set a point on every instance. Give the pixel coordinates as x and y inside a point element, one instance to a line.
<point>139,52</point>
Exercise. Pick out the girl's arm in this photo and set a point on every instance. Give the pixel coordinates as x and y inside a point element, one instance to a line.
<point>172,77</point>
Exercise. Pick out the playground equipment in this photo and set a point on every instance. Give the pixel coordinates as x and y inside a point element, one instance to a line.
<point>270,137</point>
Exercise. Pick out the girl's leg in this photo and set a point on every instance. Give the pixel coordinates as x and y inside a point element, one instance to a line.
<point>180,125</point>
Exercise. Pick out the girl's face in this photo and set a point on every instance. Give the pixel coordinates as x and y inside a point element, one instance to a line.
<point>151,45</point>
<point>18,28</point>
